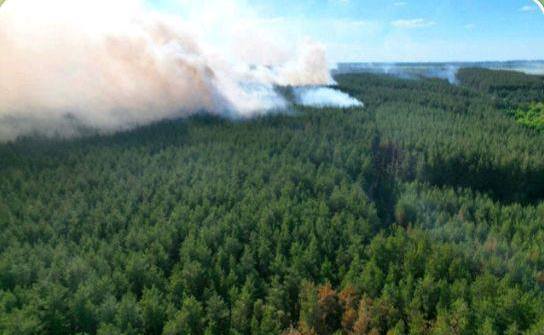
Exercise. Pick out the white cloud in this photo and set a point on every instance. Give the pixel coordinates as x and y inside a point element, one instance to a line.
<point>470,26</point>
<point>527,8</point>
<point>413,23</point>
<point>400,3</point>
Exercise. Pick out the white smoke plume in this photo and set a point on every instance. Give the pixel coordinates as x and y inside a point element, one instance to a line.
<point>324,97</point>
<point>112,65</point>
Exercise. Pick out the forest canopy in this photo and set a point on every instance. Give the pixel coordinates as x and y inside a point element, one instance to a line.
<point>420,213</point>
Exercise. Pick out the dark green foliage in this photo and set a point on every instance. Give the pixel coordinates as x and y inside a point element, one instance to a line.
<point>508,88</point>
<point>418,214</point>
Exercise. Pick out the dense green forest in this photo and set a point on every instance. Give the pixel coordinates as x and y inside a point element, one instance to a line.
<point>421,213</point>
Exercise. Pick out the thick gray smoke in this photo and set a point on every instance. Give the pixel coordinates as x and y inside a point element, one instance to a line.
<point>111,65</point>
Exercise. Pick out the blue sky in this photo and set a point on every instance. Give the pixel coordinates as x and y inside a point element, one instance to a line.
<point>399,30</point>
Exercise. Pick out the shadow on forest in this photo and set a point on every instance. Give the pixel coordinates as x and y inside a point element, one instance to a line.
<point>506,183</point>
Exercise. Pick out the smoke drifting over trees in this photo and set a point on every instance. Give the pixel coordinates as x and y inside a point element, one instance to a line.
<point>115,65</point>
